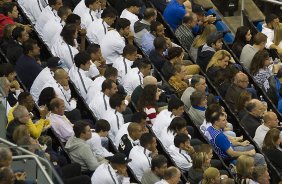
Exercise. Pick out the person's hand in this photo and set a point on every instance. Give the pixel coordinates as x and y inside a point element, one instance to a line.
<point>239,138</point>
<point>210,19</point>
<point>245,143</point>
<point>128,98</point>
<point>251,152</point>
<point>82,32</point>
<point>21,176</point>
<point>43,111</point>
<point>276,67</point>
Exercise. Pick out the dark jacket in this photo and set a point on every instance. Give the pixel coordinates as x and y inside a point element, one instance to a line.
<point>125,145</point>
<point>167,70</point>
<point>14,51</point>
<point>11,128</point>
<point>275,157</point>
<point>205,56</point>
<point>232,95</point>
<point>157,59</point>
<point>250,123</point>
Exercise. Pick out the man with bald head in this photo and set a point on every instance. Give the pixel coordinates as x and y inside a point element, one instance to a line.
<point>270,121</point>
<point>253,119</point>
<point>171,176</point>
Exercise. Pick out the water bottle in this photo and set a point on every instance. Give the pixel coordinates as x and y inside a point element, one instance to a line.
<point>262,100</point>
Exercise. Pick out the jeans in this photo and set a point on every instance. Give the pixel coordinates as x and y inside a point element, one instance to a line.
<point>259,158</point>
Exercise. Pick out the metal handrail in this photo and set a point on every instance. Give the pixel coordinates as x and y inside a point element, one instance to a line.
<point>273,2</point>
<point>37,159</point>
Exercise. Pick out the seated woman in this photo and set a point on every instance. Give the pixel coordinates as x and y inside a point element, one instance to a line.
<point>243,36</point>
<point>240,104</point>
<point>244,169</point>
<point>271,149</point>
<point>260,68</point>
<point>278,35</point>
<point>201,161</point>
<point>218,63</point>
<point>177,81</point>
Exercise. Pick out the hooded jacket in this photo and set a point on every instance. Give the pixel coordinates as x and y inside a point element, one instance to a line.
<point>80,152</point>
<point>205,56</point>
<point>4,20</point>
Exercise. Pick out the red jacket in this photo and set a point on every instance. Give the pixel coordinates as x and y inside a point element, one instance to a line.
<point>4,20</point>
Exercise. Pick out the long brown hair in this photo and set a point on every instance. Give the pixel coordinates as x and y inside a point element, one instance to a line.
<point>148,97</point>
<point>258,61</point>
<point>270,139</point>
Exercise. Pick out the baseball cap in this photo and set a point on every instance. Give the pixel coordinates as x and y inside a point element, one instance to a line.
<point>198,9</point>
<point>119,158</point>
<point>212,38</point>
<point>53,62</point>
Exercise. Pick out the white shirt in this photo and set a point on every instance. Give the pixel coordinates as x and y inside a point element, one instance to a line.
<point>141,161</point>
<point>162,121</point>
<point>66,52</point>
<point>162,182</point>
<point>95,88</point>
<point>51,32</point>
<point>180,157</point>
<point>123,66</point>
<point>63,94</point>
<point>131,17</point>
<point>115,119</point>
<point>96,146</point>
<point>81,81</point>
<point>37,86</point>
<point>80,8</point>
<point>105,174</point>
<point>99,104</point>
<point>112,46</point>
<point>32,9</point>
<point>97,30</point>
<point>270,35</point>
<point>139,35</point>
<point>123,130</point>
<point>131,80</point>
<point>47,14</point>
<point>88,17</point>
<point>167,138</point>
<point>260,134</point>
<point>62,126</point>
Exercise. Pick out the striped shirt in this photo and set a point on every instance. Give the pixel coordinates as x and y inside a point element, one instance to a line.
<point>185,36</point>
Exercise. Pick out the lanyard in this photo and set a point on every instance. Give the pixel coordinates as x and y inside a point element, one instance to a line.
<point>125,66</point>
<point>81,80</point>
<point>70,53</point>
<point>111,175</point>
<point>189,161</point>
<point>91,15</point>
<point>39,5</point>
<point>147,157</point>
<point>105,30</point>
<point>63,94</point>
<point>117,119</point>
<point>140,80</point>
<point>105,104</point>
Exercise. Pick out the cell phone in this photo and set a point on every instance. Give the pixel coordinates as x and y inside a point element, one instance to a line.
<point>213,14</point>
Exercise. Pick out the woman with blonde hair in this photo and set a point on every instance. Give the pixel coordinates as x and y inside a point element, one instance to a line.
<point>244,168</point>
<point>201,39</point>
<point>278,35</point>
<point>241,102</point>
<point>201,161</point>
<point>19,132</point>
<point>261,175</point>
<point>211,176</point>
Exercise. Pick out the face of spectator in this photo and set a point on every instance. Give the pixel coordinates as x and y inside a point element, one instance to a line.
<point>221,123</point>
<point>274,22</point>
<point>58,5</point>
<point>8,161</point>
<point>114,89</point>
<point>160,170</point>
<point>35,50</point>
<point>243,82</point>
<point>113,78</point>
<point>25,117</point>
<point>201,85</point>
<point>29,103</point>
<point>14,14</point>
<point>104,133</point>
<point>259,110</point>
<point>273,122</point>
<point>267,62</point>
<point>204,102</point>
<point>223,63</point>
<point>137,134</point>
<point>248,36</point>
<point>264,178</point>
<point>96,56</point>
<point>87,133</point>
<point>86,66</point>
<point>126,31</point>
<point>12,76</point>
<point>123,106</point>
<point>65,79</point>
<point>218,45</point>
<point>132,57</point>
<point>146,71</point>
<point>153,146</point>
<point>160,32</point>
<point>158,94</point>
<point>24,36</point>
<point>60,110</point>
<point>179,111</point>
<point>110,20</point>
<point>95,6</point>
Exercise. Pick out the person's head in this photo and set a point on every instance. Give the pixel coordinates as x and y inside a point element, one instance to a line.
<point>19,132</point>
<point>45,97</point>
<point>243,35</point>
<point>26,100</point>
<point>5,157</point>
<point>178,125</point>
<point>211,176</point>
<point>133,6</point>
<point>53,63</point>
<point>220,59</point>
<point>271,20</point>
<point>64,12</point>
<point>144,66</point>
<point>82,130</point>
<point>201,161</point>
<point>198,82</point>
<point>123,26</point>
<point>259,61</point>
<point>149,80</point>
<point>31,48</point>
<point>82,60</point>
<point>109,87</point>
<point>55,4</point>
<point>102,127</point>
<point>111,73</point>
<point>57,106</point>
<point>260,40</point>
<point>10,9</point>
<point>117,102</point>
<point>241,102</point>
<point>134,130</point>
<point>172,175</point>
<point>175,53</point>
<point>21,114</point>
<point>69,34</point>
<point>148,141</point>
<point>198,98</point>
<point>181,141</point>
<point>157,29</point>
<point>271,140</point>
<point>148,97</point>
<point>5,85</point>
<point>94,51</point>
<point>119,161</point>
<point>62,77</point>
<point>130,52</point>
<point>245,166</point>
<point>261,175</point>
<point>160,44</point>
<point>202,39</point>
<point>190,20</point>
<point>214,40</point>
<point>270,119</point>
<point>7,175</point>
<point>277,34</point>
<point>206,148</point>
<point>218,119</point>
<point>140,118</point>
<point>256,108</point>
<point>175,106</point>
<point>241,80</point>
<point>109,15</point>
<point>7,31</point>
<point>20,34</point>
<point>74,19</point>
<point>212,110</point>
<point>150,14</point>
<point>93,4</point>
<point>159,165</point>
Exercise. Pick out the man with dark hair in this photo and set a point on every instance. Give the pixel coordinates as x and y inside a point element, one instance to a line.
<point>142,155</point>
<point>114,41</point>
<point>102,128</point>
<point>97,29</point>
<point>14,48</point>
<point>135,76</point>
<point>96,57</point>
<point>91,13</point>
<point>131,11</point>
<point>157,54</point>
<point>79,151</point>
<point>123,63</point>
<point>158,167</point>
<point>214,43</point>
<point>171,175</point>
<point>27,66</point>
<point>100,104</point>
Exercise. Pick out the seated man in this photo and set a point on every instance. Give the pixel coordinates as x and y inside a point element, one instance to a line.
<point>171,175</point>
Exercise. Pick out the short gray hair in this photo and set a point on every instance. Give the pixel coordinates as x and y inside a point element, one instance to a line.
<point>19,111</point>
<point>196,79</point>
<point>4,154</point>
